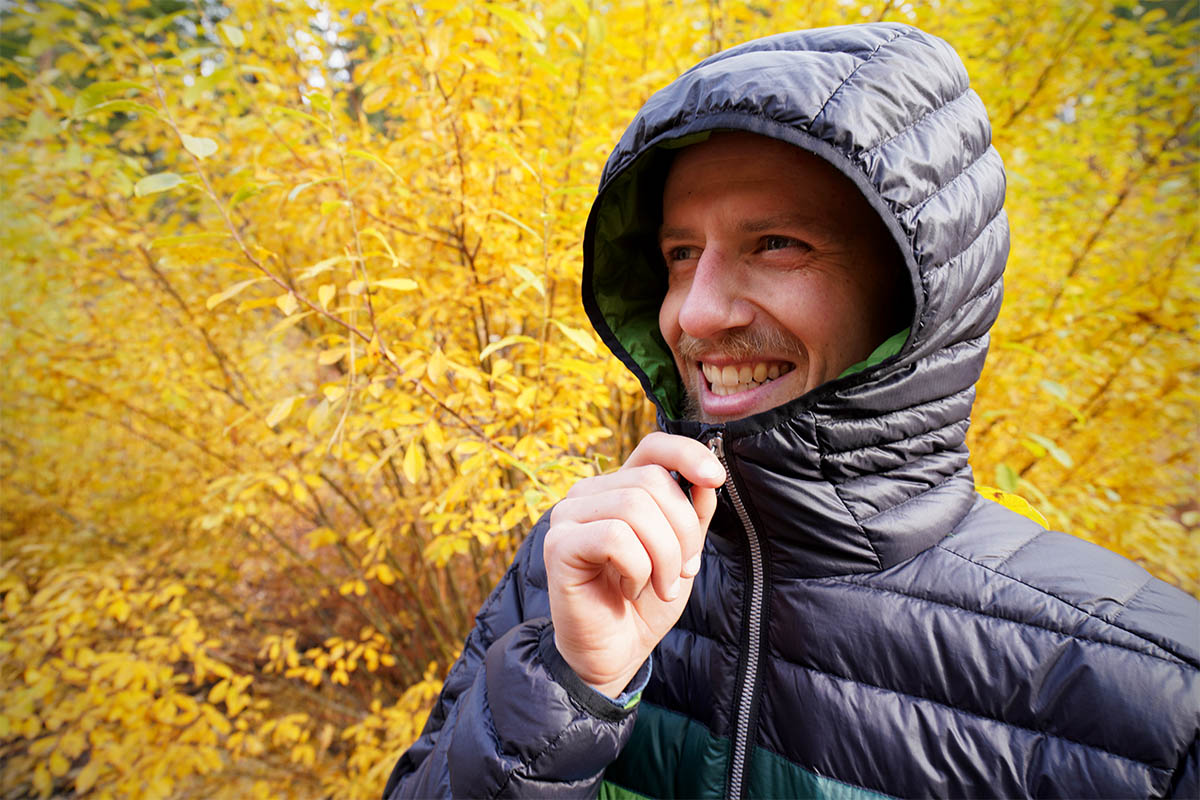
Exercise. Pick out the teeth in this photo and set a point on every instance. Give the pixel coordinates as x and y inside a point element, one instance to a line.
<point>731,379</point>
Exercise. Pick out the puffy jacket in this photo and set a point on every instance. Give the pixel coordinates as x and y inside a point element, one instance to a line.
<point>864,623</point>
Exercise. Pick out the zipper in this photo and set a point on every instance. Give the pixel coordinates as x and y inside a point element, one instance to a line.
<point>747,695</point>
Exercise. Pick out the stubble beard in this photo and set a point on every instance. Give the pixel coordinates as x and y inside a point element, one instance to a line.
<point>739,344</point>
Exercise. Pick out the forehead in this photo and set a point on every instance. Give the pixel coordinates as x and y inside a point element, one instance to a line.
<point>732,163</point>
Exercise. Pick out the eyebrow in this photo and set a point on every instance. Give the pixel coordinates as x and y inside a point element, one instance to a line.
<point>760,225</point>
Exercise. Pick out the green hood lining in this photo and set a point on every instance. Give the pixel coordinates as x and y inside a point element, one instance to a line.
<point>629,280</point>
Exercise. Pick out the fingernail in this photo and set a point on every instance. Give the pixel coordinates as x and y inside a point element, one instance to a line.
<point>692,567</point>
<point>673,592</point>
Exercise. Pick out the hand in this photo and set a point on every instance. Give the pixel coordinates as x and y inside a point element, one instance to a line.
<point>621,554</point>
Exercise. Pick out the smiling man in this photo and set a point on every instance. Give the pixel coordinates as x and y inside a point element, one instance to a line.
<point>779,275</point>
<point>793,590</point>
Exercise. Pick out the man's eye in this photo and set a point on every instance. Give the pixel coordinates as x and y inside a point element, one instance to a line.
<point>681,254</point>
<point>778,242</point>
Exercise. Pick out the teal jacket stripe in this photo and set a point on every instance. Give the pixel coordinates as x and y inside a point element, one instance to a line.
<point>670,755</point>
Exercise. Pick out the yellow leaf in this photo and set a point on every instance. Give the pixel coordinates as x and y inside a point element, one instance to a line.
<point>399,284</point>
<point>233,34</point>
<point>287,303</point>
<point>1013,502</point>
<point>281,410</point>
<point>333,356</point>
<point>507,341</point>
<point>232,291</point>
<point>581,338</point>
<point>42,781</point>
<point>86,778</point>
<point>325,294</point>
<point>218,692</point>
<point>321,537</point>
<point>385,575</point>
<point>414,461</point>
<point>436,369</point>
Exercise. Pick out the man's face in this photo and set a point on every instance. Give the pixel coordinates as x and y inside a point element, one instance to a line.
<point>780,274</point>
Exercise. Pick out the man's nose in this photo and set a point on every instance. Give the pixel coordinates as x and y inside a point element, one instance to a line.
<point>715,301</point>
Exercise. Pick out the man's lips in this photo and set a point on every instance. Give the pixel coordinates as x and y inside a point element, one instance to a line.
<point>727,379</point>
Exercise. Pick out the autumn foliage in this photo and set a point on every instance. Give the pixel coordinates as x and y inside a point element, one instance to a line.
<point>293,349</point>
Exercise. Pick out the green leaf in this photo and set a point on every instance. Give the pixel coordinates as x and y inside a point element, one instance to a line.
<point>199,146</point>
<point>101,91</point>
<point>528,279</point>
<point>1007,478</point>
<point>297,114</point>
<point>299,189</point>
<point>159,24</point>
<point>159,182</point>
<point>125,106</point>
<point>1055,389</point>
<point>1056,452</point>
<point>373,157</point>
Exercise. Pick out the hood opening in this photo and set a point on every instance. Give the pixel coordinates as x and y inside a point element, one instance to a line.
<point>625,280</point>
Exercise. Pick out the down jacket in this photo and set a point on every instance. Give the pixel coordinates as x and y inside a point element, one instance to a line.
<point>864,624</point>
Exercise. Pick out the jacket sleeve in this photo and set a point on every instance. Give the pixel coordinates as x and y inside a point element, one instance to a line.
<point>513,720</point>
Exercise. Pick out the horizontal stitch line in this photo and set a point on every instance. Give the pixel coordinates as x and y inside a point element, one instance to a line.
<point>957,710</point>
<point>866,60</point>
<point>1128,602</point>
<point>916,210</point>
<point>1024,544</point>
<point>1011,620</point>
<point>954,259</point>
<point>987,289</point>
<point>826,421</point>
<point>927,115</point>
<point>957,473</point>
<point>1174,658</point>
<point>912,438</point>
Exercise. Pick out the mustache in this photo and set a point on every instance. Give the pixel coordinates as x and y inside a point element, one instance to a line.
<point>739,344</point>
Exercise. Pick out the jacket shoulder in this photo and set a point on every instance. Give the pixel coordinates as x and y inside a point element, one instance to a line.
<point>1125,605</point>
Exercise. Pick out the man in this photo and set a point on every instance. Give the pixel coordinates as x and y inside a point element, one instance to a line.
<point>794,590</point>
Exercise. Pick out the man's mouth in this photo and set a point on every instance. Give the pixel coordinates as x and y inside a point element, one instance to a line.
<point>733,378</point>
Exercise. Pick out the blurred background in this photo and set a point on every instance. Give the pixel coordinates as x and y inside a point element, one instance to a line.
<point>293,352</point>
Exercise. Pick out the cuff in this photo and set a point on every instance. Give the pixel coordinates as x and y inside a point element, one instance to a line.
<point>600,705</point>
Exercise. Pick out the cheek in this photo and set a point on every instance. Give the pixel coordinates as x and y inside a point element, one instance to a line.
<point>668,318</point>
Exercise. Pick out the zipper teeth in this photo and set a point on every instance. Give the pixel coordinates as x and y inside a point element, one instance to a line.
<point>741,742</point>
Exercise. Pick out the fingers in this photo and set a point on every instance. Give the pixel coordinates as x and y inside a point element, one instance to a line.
<point>584,546</point>
<point>647,500</point>
<point>689,458</point>
<point>662,535</point>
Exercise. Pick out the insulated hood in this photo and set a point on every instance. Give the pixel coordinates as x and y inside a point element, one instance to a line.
<point>890,107</point>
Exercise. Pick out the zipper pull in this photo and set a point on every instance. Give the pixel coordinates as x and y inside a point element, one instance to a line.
<point>716,446</point>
